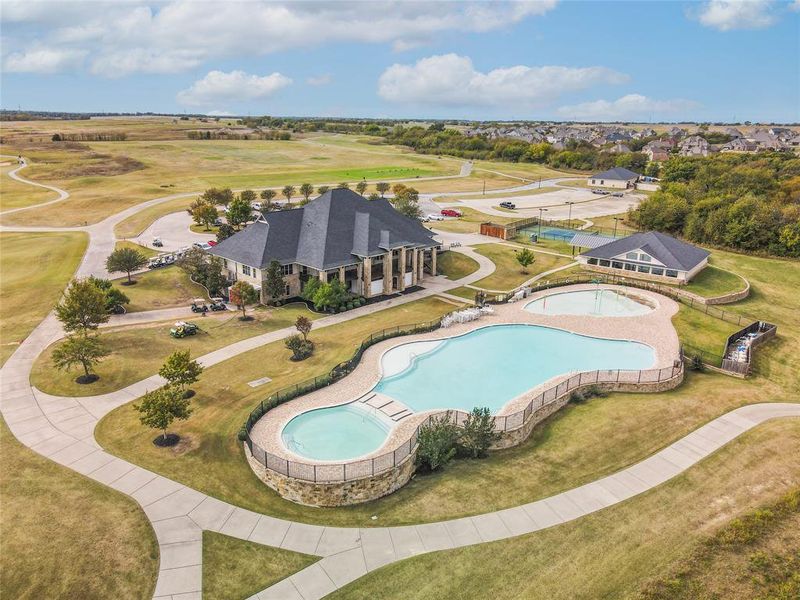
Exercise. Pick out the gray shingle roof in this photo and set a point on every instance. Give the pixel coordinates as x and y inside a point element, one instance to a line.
<point>331,231</point>
<point>590,240</point>
<point>671,252</point>
<point>616,173</point>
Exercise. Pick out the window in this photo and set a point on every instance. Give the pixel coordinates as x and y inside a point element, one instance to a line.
<point>604,262</point>
<point>644,269</point>
<point>657,271</point>
<point>246,270</point>
<point>632,255</point>
<point>671,273</point>
<point>287,269</point>
<point>630,267</point>
<point>645,258</point>
<point>592,181</point>
<point>616,264</point>
<point>602,181</point>
<point>287,290</point>
<point>591,261</point>
<point>303,270</point>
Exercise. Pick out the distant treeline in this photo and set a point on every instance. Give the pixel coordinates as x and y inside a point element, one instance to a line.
<point>111,136</point>
<point>576,154</point>
<point>233,135</point>
<point>740,201</point>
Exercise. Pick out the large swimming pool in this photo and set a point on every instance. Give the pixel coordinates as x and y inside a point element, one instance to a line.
<point>599,302</point>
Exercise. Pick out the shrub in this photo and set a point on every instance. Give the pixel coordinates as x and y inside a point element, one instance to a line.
<point>349,306</point>
<point>582,395</point>
<point>696,363</point>
<point>437,443</point>
<point>301,348</point>
<point>478,433</point>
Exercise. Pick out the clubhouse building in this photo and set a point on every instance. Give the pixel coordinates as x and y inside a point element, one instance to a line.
<point>366,244</point>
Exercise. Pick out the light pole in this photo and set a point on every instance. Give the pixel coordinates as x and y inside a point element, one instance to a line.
<point>615,226</point>
<point>569,219</point>
<point>539,235</point>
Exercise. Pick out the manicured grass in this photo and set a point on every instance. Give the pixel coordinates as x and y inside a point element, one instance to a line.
<point>66,536</point>
<point>165,287</point>
<point>210,458</point>
<point>34,268</point>
<point>509,274</point>
<point>15,194</point>
<point>612,552</point>
<point>577,183</point>
<point>713,281</point>
<point>138,352</point>
<point>235,569</point>
<point>211,231</point>
<point>148,252</point>
<point>528,171</point>
<point>607,222</point>
<point>464,292</point>
<point>699,331</point>
<point>455,265</point>
<point>134,225</point>
<point>533,192</point>
<point>473,183</point>
<point>469,222</point>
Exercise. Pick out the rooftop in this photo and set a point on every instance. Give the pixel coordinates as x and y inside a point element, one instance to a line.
<point>669,251</point>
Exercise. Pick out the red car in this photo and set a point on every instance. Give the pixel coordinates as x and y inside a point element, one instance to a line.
<point>212,243</point>
<point>450,212</point>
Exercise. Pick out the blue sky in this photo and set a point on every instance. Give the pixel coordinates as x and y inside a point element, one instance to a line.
<point>645,60</point>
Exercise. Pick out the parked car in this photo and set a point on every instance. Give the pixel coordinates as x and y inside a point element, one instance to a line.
<point>596,191</point>
<point>424,218</point>
<point>508,205</point>
<point>617,194</point>
<point>434,217</point>
<point>451,212</point>
<point>212,243</point>
<point>256,205</point>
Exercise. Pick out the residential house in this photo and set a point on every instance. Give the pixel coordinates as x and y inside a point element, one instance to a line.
<point>733,132</point>
<point>693,145</point>
<point>739,145</point>
<point>657,151</point>
<point>618,177</point>
<point>619,149</point>
<point>366,244</point>
<point>652,255</point>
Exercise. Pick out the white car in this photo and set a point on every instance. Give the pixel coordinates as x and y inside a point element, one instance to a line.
<point>435,217</point>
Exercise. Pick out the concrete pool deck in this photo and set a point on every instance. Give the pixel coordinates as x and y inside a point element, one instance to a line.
<point>654,329</point>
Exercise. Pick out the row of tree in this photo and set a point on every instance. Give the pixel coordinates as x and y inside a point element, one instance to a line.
<point>745,202</point>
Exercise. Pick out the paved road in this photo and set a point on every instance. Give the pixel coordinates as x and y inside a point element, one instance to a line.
<point>62,194</point>
<point>173,229</point>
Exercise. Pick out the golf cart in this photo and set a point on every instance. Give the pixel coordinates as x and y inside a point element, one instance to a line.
<point>157,242</point>
<point>182,329</point>
<point>218,304</point>
<point>199,305</point>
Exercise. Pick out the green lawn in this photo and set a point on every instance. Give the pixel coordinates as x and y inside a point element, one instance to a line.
<point>576,183</point>
<point>508,274</point>
<point>713,281</point>
<point>138,352</point>
<point>699,331</point>
<point>235,569</point>
<point>66,536</point>
<point>34,269</point>
<point>464,292</point>
<point>211,231</point>
<point>455,265</point>
<point>134,225</point>
<point>533,192</point>
<point>15,194</point>
<point>469,222</point>
<point>614,552</point>
<point>165,287</point>
<point>148,252</point>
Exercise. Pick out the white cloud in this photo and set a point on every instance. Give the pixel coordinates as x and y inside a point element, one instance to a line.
<point>320,80</point>
<point>628,107</point>
<point>165,37</point>
<point>218,87</point>
<point>43,60</point>
<point>727,15</point>
<point>451,80</point>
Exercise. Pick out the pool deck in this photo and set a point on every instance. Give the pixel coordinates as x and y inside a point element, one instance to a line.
<point>654,328</point>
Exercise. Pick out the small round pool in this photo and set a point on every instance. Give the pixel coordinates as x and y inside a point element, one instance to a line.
<point>336,433</point>
<point>600,302</point>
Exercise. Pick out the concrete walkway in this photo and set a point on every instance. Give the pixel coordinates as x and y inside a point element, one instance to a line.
<point>13,174</point>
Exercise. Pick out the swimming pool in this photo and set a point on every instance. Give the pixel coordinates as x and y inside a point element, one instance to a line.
<point>599,302</point>
<point>492,365</point>
<point>336,433</point>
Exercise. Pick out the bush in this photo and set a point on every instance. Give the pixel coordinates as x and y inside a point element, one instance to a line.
<point>582,395</point>
<point>478,433</point>
<point>437,443</point>
<point>301,349</point>
<point>696,363</point>
<point>349,306</point>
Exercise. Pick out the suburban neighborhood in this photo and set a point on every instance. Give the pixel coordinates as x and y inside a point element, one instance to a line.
<point>399,300</point>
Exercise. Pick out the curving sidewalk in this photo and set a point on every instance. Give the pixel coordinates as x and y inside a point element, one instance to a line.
<point>62,194</point>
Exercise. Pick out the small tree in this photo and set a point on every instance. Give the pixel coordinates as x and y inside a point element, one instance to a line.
<point>301,349</point>
<point>115,298</point>
<point>310,289</point>
<point>274,283</point>
<point>83,307</point>
<point>343,186</point>
<point>181,371</point>
<point>205,214</point>
<point>86,351</point>
<point>288,191</point>
<point>382,187</point>
<point>374,196</point>
<point>125,260</point>
<point>239,212</point>
<point>322,189</point>
<point>437,443</point>
<point>478,433</point>
<point>406,201</point>
<point>267,196</point>
<point>248,196</point>
<point>306,190</point>
<point>159,408</point>
<point>525,258</point>
<point>216,196</point>
<point>361,187</point>
<point>242,294</point>
<point>329,295</point>
<point>303,325</point>
<point>224,232</point>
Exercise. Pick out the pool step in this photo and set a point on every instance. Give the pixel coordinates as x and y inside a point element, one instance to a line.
<point>366,398</point>
<point>379,402</point>
<point>402,415</point>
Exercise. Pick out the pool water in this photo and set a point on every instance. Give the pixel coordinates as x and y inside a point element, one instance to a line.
<point>600,302</point>
<point>336,433</point>
<point>490,366</point>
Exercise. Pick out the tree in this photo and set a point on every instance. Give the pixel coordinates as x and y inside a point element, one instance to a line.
<point>329,295</point>
<point>406,201</point>
<point>303,325</point>
<point>437,443</point>
<point>205,214</point>
<point>239,212</point>
<point>159,408</point>
<point>83,350</point>
<point>248,196</point>
<point>180,370</point>
<point>322,189</point>
<point>343,186</point>
<point>301,348</point>
<point>267,196</point>
<point>274,283</point>
<point>653,169</point>
<point>216,196</point>
<point>243,294</point>
<point>306,190</point>
<point>115,298</point>
<point>212,277</point>
<point>125,260</point>
<point>373,196</point>
<point>83,307</point>
<point>525,258</point>
<point>224,232</point>
<point>310,289</point>
<point>478,433</point>
<point>288,192</point>
<point>382,187</point>
<point>361,187</point>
